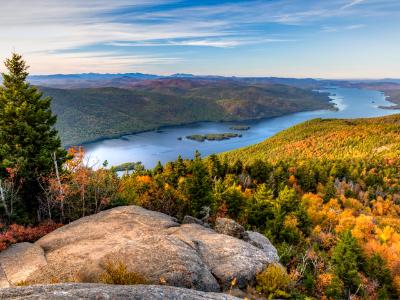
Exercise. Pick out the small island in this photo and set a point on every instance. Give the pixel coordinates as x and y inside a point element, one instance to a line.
<point>240,127</point>
<point>213,136</point>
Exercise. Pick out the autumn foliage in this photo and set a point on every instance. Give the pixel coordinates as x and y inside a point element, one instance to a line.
<point>17,233</point>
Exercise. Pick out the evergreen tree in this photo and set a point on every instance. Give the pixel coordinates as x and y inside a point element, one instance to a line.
<point>329,190</point>
<point>346,261</point>
<point>376,268</point>
<point>261,206</point>
<point>214,167</point>
<point>158,169</point>
<point>199,188</point>
<point>28,141</point>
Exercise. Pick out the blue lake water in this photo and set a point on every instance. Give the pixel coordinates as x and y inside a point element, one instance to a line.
<point>151,147</point>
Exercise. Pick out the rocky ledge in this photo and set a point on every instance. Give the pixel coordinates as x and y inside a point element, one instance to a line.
<point>72,291</point>
<point>148,243</point>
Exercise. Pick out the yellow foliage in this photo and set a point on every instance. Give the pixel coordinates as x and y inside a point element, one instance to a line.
<point>143,179</point>
<point>290,222</point>
<point>117,273</point>
<point>346,221</point>
<point>274,282</point>
<point>364,228</point>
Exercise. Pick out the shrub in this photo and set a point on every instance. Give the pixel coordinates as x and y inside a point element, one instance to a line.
<point>274,282</point>
<point>117,273</point>
<point>17,233</point>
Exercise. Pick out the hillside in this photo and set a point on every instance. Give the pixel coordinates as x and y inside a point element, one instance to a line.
<point>331,139</point>
<point>393,95</point>
<point>87,114</point>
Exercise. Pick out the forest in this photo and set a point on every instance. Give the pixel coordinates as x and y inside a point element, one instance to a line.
<point>325,192</point>
<point>88,114</point>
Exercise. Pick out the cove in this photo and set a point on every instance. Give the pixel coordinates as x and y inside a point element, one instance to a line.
<point>163,145</point>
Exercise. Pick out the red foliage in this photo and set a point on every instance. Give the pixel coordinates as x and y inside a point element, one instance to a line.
<point>17,233</point>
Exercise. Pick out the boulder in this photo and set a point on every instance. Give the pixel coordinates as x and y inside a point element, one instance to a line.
<point>150,244</point>
<point>21,260</point>
<point>102,291</point>
<point>226,257</point>
<point>229,227</point>
<point>193,220</point>
<point>3,279</point>
<point>260,241</point>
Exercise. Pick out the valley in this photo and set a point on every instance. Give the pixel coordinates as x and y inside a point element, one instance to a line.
<point>89,114</point>
<point>151,147</point>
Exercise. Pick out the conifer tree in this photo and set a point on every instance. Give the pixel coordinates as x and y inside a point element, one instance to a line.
<point>29,144</point>
<point>346,261</point>
<point>199,188</point>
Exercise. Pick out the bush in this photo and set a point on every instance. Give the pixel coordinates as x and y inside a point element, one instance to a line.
<point>274,282</point>
<point>117,273</point>
<point>17,233</point>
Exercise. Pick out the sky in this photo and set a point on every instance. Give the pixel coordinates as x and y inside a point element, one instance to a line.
<point>286,38</point>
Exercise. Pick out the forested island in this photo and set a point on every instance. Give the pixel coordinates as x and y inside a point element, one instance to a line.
<point>240,127</point>
<point>213,136</point>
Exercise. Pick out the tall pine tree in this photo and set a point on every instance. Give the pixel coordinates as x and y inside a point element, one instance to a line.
<point>28,140</point>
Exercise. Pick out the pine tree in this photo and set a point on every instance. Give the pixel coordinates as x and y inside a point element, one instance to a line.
<point>346,260</point>
<point>199,188</point>
<point>28,141</point>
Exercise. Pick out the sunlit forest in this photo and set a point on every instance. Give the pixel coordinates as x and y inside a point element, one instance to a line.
<point>325,192</point>
<point>335,221</point>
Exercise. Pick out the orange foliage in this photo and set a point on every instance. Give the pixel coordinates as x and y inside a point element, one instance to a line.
<point>17,233</point>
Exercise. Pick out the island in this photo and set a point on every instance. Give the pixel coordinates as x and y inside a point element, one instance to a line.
<point>213,136</point>
<point>240,127</point>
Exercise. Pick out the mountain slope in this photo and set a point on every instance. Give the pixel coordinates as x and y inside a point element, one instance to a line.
<point>328,138</point>
<point>93,113</point>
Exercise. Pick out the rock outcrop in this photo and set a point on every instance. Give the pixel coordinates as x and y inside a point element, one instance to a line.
<point>229,227</point>
<point>193,220</point>
<point>19,262</point>
<point>148,243</point>
<point>103,291</point>
<point>260,241</point>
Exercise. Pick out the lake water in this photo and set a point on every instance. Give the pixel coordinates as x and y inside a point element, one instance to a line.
<point>151,147</point>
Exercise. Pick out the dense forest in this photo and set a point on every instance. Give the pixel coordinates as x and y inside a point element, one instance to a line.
<point>87,114</point>
<point>328,139</point>
<point>325,192</point>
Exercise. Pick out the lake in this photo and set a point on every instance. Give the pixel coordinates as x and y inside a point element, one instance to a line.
<point>151,147</point>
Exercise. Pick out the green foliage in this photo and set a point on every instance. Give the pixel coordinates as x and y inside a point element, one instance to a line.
<point>28,141</point>
<point>346,260</point>
<point>376,268</point>
<point>240,127</point>
<point>259,207</point>
<point>198,188</point>
<point>274,282</point>
<point>213,136</point>
<point>87,114</point>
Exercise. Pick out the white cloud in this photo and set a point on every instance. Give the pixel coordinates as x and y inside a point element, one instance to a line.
<point>48,31</point>
<point>352,3</point>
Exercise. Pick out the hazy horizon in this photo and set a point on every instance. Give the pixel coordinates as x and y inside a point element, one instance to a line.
<point>213,75</point>
<point>337,39</point>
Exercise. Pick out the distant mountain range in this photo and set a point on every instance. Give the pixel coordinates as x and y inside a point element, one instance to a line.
<point>129,80</point>
<point>93,106</point>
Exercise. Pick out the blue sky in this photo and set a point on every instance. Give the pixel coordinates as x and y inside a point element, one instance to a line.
<point>289,38</point>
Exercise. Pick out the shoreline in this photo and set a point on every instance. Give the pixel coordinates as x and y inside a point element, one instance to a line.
<point>160,128</point>
<point>330,106</point>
